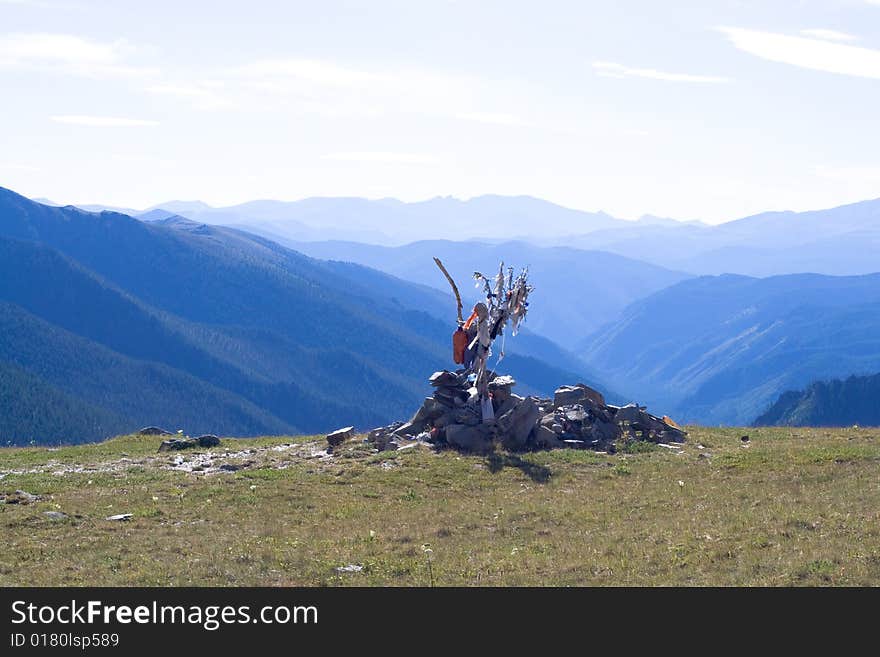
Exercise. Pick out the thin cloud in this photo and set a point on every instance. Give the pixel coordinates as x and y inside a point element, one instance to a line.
<point>814,54</point>
<point>829,35</point>
<point>615,70</point>
<point>492,118</point>
<point>67,53</point>
<point>859,174</point>
<point>380,156</point>
<point>203,96</point>
<point>102,121</point>
<point>186,91</point>
<point>309,70</point>
<point>13,166</point>
<point>42,4</point>
<point>339,89</point>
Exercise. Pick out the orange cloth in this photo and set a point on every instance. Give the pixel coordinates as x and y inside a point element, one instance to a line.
<point>459,344</point>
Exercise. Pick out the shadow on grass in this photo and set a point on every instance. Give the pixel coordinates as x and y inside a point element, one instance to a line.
<point>496,462</point>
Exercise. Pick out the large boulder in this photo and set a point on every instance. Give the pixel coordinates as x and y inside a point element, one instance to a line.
<point>469,439</point>
<point>517,424</point>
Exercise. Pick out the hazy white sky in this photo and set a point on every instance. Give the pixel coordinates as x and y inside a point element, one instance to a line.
<point>696,110</point>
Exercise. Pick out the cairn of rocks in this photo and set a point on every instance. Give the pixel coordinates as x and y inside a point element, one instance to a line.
<point>577,417</point>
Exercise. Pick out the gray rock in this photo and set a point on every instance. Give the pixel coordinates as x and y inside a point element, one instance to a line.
<point>350,568</point>
<point>578,394</point>
<point>576,413</point>
<point>673,435</point>
<point>208,440</point>
<point>235,467</point>
<point>447,398</point>
<point>628,413</point>
<point>336,438</point>
<point>467,415</point>
<point>444,378</point>
<point>604,431</point>
<point>471,439</point>
<point>119,517</point>
<point>154,431</point>
<point>444,420</point>
<point>424,418</point>
<point>177,443</point>
<point>391,444</point>
<point>379,433</point>
<point>54,515</point>
<point>18,497</point>
<point>382,437</point>
<point>548,420</point>
<point>382,441</point>
<point>409,429</point>
<point>503,381</point>
<point>544,437</point>
<point>516,425</point>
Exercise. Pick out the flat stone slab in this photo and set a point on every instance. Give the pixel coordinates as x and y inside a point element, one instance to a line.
<point>340,436</point>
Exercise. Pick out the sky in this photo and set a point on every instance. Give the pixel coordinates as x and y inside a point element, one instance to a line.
<point>708,110</point>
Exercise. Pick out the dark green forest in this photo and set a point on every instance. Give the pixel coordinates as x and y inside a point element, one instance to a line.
<point>836,403</point>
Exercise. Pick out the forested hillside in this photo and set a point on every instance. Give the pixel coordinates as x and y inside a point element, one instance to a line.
<point>721,349</point>
<point>836,403</point>
<point>209,329</point>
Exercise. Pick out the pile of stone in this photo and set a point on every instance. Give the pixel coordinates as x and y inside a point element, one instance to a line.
<point>577,417</point>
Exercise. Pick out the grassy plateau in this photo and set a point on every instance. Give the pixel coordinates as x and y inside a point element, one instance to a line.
<point>791,507</point>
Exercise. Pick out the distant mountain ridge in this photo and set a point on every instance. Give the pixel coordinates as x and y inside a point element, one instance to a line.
<point>577,291</point>
<point>836,403</point>
<point>392,222</point>
<point>840,241</point>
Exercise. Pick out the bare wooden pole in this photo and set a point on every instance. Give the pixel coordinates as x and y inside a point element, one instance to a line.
<point>454,288</point>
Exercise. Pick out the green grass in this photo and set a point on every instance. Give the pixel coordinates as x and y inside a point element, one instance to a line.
<point>796,507</point>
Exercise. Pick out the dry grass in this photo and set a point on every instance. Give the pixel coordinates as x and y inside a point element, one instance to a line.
<point>796,507</point>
